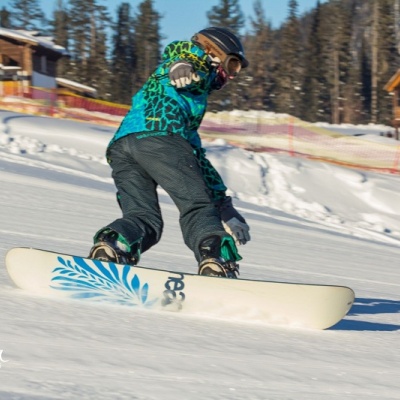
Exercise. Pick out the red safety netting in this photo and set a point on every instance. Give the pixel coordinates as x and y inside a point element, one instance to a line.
<point>272,133</point>
<point>298,138</point>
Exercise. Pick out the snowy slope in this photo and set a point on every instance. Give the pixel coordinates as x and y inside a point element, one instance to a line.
<point>310,222</point>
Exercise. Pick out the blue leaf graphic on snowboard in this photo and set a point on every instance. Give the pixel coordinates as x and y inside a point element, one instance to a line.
<point>94,279</point>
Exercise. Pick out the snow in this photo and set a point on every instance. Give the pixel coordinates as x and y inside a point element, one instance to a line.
<point>310,222</point>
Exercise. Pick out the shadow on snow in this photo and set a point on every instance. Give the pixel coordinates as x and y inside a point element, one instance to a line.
<point>370,306</point>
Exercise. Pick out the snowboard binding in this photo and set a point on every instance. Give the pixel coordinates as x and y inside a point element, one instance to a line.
<point>103,251</point>
<point>219,268</point>
<point>108,248</point>
<point>211,262</point>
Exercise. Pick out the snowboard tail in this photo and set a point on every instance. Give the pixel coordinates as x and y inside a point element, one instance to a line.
<point>294,304</point>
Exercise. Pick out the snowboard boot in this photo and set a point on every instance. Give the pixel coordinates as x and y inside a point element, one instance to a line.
<point>211,263</point>
<point>110,248</point>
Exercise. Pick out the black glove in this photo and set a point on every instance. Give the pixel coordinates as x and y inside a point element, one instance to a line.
<point>233,222</point>
<point>181,74</point>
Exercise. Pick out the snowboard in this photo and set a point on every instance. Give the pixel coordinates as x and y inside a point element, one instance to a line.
<point>280,303</point>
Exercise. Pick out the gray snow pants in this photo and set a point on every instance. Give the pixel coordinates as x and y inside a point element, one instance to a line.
<point>138,167</point>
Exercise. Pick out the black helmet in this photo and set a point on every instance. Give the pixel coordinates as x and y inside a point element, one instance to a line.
<point>224,40</point>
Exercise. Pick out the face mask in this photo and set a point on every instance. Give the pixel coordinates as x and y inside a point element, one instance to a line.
<point>221,78</point>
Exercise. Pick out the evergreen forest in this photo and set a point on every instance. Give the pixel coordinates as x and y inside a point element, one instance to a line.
<point>330,64</point>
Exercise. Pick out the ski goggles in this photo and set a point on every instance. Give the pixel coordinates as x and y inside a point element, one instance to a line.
<point>222,77</point>
<point>232,66</point>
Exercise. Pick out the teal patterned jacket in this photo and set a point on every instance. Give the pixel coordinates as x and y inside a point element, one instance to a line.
<point>158,108</point>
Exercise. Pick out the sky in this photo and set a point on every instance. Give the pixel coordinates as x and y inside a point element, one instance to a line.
<point>182,18</point>
<point>310,222</point>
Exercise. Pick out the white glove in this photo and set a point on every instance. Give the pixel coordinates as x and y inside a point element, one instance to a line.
<point>238,230</point>
<point>182,74</point>
<point>233,222</point>
<point>214,61</point>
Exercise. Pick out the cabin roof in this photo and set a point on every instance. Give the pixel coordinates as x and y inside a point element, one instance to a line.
<point>33,38</point>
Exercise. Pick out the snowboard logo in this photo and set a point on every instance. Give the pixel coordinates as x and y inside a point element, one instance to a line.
<point>173,293</point>
<point>100,281</point>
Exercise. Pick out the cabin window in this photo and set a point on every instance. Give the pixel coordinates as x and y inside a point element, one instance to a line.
<point>43,62</point>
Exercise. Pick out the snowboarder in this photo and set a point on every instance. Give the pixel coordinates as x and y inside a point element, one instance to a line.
<point>157,143</point>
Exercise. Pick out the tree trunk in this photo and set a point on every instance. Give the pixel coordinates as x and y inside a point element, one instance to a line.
<point>374,72</point>
<point>336,89</point>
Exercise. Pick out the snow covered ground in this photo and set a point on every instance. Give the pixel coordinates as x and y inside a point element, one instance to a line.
<point>310,222</point>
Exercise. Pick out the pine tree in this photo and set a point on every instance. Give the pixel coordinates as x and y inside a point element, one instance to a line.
<point>289,68</point>
<point>380,58</point>
<point>341,63</point>
<point>27,15</point>
<point>228,14</point>
<point>5,16</point>
<point>59,29</point>
<point>98,71</point>
<point>88,23</point>
<point>350,95</point>
<point>259,49</point>
<point>388,58</point>
<point>374,60</point>
<point>80,12</point>
<point>316,103</point>
<point>123,56</point>
<point>147,40</point>
<point>366,80</point>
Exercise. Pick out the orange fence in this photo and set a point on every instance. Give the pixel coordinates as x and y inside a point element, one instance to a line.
<point>254,131</point>
<point>11,88</point>
<point>59,103</point>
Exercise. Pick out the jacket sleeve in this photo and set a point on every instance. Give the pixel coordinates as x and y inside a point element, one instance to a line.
<point>211,176</point>
<point>189,52</point>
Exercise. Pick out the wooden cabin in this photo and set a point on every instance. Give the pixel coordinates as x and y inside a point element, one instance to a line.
<point>29,58</point>
<point>393,86</point>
